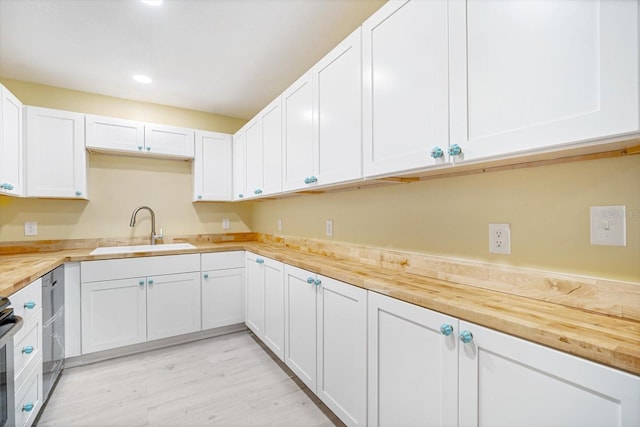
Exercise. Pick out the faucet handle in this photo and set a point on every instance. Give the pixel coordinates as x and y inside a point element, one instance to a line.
<point>157,236</point>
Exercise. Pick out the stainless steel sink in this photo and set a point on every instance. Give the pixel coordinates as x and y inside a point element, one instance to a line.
<point>110,250</point>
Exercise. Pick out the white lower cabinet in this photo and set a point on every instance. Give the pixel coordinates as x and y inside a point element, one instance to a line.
<point>325,340</point>
<point>130,301</point>
<point>420,376</point>
<point>265,304</point>
<point>507,381</point>
<point>413,367</point>
<point>223,289</point>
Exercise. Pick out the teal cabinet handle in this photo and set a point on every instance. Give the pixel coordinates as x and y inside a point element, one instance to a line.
<point>148,148</point>
<point>139,147</point>
<point>257,191</point>
<point>307,180</point>
<point>436,152</point>
<point>78,193</point>
<point>141,282</point>
<point>29,305</point>
<point>6,186</point>
<point>199,196</point>
<point>240,196</point>
<point>455,150</point>
<point>205,275</point>
<point>150,281</point>
<point>312,179</point>
<point>446,329</point>
<point>466,337</point>
<point>317,282</point>
<point>259,260</point>
<point>27,407</point>
<point>10,187</point>
<point>310,280</point>
<point>28,349</point>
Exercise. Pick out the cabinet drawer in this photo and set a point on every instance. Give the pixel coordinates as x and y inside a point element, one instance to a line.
<point>27,345</point>
<point>27,301</point>
<point>222,260</point>
<point>114,269</point>
<point>29,398</point>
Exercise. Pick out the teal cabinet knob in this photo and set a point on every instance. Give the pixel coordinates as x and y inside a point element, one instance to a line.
<point>310,280</point>
<point>312,179</point>
<point>27,407</point>
<point>4,186</point>
<point>466,337</point>
<point>139,147</point>
<point>446,329</point>
<point>436,152</point>
<point>199,196</point>
<point>307,180</point>
<point>30,305</point>
<point>260,260</point>
<point>205,275</point>
<point>10,187</point>
<point>141,283</point>
<point>317,282</point>
<point>455,150</point>
<point>240,196</point>
<point>148,148</point>
<point>150,281</point>
<point>257,191</point>
<point>28,349</point>
<point>78,193</point>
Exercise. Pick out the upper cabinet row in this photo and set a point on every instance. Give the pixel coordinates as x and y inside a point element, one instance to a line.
<point>431,84</point>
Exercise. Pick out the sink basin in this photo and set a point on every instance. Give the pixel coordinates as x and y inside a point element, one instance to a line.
<point>141,248</point>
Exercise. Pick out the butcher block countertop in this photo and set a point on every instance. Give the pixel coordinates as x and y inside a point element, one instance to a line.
<point>601,338</point>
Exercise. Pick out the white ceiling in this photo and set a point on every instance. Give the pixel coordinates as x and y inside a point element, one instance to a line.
<point>230,57</point>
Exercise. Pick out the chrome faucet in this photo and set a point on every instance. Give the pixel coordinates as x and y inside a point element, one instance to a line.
<point>154,236</point>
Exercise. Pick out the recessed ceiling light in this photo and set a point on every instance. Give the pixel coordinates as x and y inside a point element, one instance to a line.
<point>152,2</point>
<point>142,78</point>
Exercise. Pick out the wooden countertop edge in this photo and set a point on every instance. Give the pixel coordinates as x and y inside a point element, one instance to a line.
<point>604,339</point>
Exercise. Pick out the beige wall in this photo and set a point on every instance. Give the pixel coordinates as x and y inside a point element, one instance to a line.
<point>547,207</point>
<point>118,184</point>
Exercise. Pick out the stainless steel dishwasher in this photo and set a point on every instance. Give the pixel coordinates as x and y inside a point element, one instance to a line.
<point>52,328</point>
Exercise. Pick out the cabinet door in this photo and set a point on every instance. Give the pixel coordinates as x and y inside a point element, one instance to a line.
<point>533,74</point>
<point>56,157</point>
<point>173,305</point>
<point>337,83</point>
<point>169,141</point>
<point>297,126</point>
<point>212,167</point>
<point>274,306</point>
<point>342,350</point>
<point>111,134</point>
<point>222,297</point>
<point>28,395</point>
<point>271,122</point>
<point>301,324</point>
<point>254,158</point>
<point>413,367</point>
<point>113,314</point>
<point>255,294</point>
<point>11,145</point>
<point>507,381</point>
<point>239,166</point>
<point>406,87</point>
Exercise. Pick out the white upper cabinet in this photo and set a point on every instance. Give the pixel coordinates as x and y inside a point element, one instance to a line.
<point>297,128</point>
<point>11,145</point>
<point>271,122</point>
<point>169,140</point>
<point>253,158</point>
<point>212,167</point>
<point>405,86</point>
<point>239,166</point>
<point>56,158</point>
<point>127,136</point>
<point>527,75</point>
<point>111,134</point>
<point>337,136</point>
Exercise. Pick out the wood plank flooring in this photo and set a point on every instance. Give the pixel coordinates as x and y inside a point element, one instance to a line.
<point>222,381</point>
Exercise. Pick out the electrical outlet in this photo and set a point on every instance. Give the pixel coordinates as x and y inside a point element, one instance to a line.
<point>329,228</point>
<point>279,224</point>
<point>225,224</point>
<point>500,239</point>
<point>31,228</point>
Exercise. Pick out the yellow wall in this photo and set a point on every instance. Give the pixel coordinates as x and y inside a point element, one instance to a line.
<point>118,184</point>
<point>547,207</point>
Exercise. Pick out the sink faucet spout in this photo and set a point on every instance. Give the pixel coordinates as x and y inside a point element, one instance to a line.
<point>132,223</point>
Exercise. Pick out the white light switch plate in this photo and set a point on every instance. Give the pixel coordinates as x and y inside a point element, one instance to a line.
<point>225,224</point>
<point>329,228</point>
<point>609,225</point>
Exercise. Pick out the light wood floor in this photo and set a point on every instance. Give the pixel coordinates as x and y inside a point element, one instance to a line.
<point>224,381</point>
